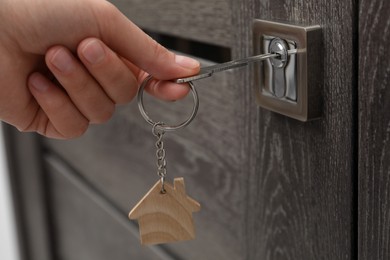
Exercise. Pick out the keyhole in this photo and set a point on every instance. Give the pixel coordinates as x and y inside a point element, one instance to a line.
<point>279,46</point>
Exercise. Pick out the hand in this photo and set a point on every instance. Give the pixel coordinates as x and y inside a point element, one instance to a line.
<point>65,64</point>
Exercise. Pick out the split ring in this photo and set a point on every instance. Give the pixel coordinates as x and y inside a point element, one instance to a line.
<point>163,126</point>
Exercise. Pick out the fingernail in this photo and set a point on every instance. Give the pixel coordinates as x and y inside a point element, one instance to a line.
<point>93,52</point>
<point>38,82</point>
<point>62,60</point>
<point>186,62</point>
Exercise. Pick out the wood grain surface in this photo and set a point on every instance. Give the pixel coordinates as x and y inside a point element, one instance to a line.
<point>374,130</point>
<point>201,20</point>
<point>84,227</point>
<point>299,175</point>
<point>164,214</point>
<point>119,159</point>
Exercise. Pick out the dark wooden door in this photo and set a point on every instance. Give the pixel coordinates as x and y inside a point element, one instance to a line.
<point>270,187</point>
<point>374,131</point>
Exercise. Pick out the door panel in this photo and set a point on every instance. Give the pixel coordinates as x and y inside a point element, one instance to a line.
<point>300,175</point>
<point>84,228</point>
<point>201,20</point>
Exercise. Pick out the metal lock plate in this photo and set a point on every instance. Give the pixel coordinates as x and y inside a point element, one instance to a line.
<point>289,84</point>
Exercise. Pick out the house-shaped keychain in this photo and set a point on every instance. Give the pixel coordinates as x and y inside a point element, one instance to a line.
<point>165,217</point>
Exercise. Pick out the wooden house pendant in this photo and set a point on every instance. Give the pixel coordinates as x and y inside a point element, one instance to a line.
<point>165,217</point>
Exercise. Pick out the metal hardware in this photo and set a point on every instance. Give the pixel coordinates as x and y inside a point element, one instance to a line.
<point>289,85</point>
<point>279,87</point>
<point>163,126</point>
<point>160,155</point>
<point>279,78</point>
<point>275,54</point>
<point>289,81</point>
<point>206,72</point>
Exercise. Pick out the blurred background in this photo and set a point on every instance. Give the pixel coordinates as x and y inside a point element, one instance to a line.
<point>8,246</point>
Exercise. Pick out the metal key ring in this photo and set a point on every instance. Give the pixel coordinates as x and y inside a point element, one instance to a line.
<point>163,126</point>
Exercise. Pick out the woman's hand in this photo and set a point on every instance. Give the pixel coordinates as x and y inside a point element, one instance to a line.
<point>65,64</point>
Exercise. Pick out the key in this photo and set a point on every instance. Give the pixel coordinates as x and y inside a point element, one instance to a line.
<point>206,72</point>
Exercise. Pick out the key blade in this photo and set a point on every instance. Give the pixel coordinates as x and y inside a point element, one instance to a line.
<point>225,66</point>
<point>202,74</point>
<point>210,70</point>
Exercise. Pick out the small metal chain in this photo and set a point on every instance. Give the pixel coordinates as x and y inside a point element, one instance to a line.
<point>160,154</point>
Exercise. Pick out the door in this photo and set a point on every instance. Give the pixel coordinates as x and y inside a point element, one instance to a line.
<point>270,187</point>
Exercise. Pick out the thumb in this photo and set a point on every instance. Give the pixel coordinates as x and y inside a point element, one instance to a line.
<point>130,42</point>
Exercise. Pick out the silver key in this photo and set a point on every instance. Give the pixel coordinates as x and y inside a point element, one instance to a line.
<point>206,72</point>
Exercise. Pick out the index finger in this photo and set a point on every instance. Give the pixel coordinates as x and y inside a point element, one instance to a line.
<point>162,89</point>
<point>130,42</point>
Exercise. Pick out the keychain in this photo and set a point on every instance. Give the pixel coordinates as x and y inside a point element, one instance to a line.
<point>164,214</point>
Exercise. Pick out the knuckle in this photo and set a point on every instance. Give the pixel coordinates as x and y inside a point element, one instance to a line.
<point>159,53</point>
<point>83,84</point>
<point>162,53</point>
<point>126,96</point>
<point>124,99</point>
<point>122,88</point>
<point>104,115</point>
<point>76,131</point>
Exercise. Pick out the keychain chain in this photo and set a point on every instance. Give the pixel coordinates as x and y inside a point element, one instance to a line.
<point>160,154</point>
<point>162,218</point>
<point>159,128</point>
